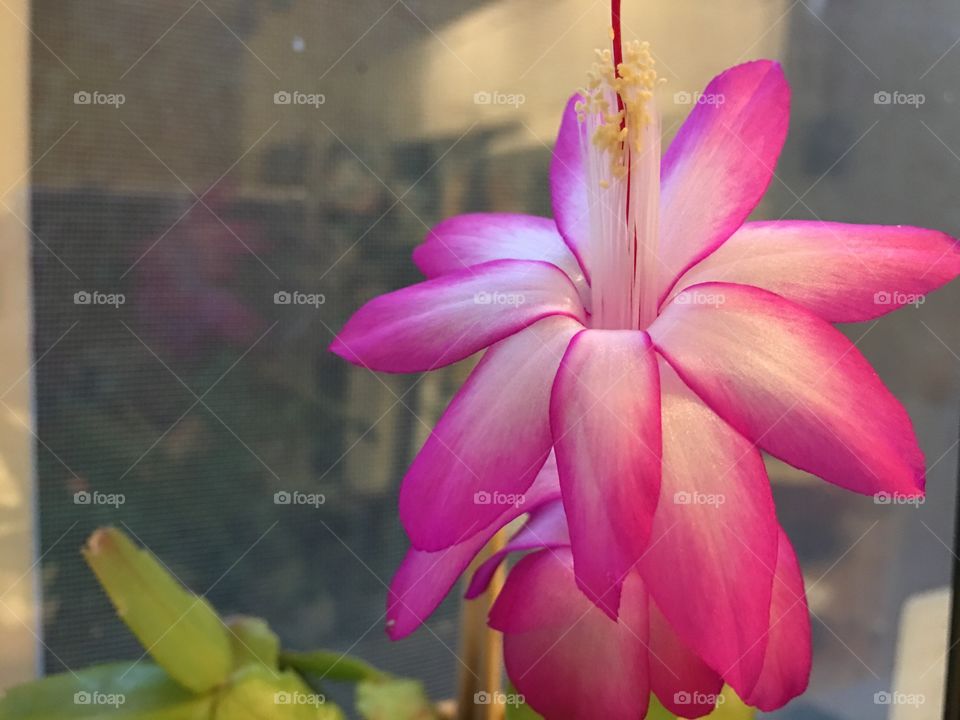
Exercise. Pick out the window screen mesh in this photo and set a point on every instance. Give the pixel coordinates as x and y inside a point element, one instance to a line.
<point>187,386</point>
<point>183,385</point>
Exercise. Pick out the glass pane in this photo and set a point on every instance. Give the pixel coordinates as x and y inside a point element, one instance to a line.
<point>218,184</point>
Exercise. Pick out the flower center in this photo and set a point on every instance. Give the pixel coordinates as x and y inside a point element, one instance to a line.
<point>622,151</point>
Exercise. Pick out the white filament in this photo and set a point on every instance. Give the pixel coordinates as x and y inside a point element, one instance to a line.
<point>624,227</point>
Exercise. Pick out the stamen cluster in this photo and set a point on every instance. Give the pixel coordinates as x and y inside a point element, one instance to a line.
<point>621,96</point>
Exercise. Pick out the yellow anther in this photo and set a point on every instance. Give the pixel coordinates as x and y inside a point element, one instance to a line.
<point>632,83</point>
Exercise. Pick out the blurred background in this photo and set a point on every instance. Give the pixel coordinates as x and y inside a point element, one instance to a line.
<point>194,164</point>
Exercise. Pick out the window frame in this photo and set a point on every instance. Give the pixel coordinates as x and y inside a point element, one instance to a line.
<point>21,608</point>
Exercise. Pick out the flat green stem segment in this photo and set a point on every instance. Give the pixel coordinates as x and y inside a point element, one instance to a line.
<point>259,693</point>
<point>729,707</point>
<point>180,630</point>
<point>327,665</point>
<point>253,642</point>
<point>120,691</point>
<point>394,700</point>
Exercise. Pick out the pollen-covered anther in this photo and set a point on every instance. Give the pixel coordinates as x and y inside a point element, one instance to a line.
<point>630,87</point>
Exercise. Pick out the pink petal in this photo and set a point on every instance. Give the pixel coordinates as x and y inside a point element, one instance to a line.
<point>786,667</point>
<point>565,656</point>
<point>682,682</point>
<point>491,441</point>
<point>605,417</point>
<point>424,578</point>
<point>441,321</point>
<point>793,385</point>
<point>546,528</point>
<point>843,273</point>
<point>710,564</point>
<point>568,186</point>
<point>720,164</point>
<point>467,240</point>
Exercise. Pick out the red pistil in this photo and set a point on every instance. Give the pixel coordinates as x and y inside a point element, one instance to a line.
<point>617,40</point>
<point>617,43</point>
<point>617,61</point>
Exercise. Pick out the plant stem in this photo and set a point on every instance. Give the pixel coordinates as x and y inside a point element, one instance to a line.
<point>480,647</point>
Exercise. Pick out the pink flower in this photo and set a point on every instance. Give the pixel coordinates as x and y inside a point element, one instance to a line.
<point>656,344</point>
